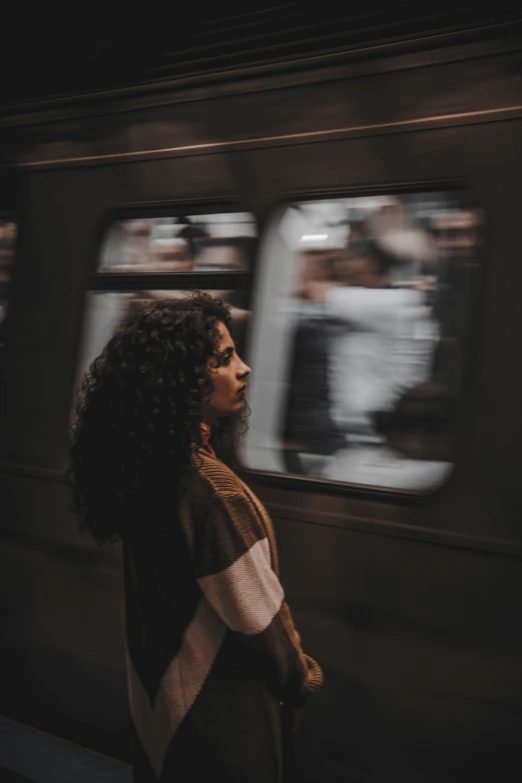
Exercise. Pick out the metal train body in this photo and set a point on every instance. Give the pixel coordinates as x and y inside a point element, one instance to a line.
<point>411,603</point>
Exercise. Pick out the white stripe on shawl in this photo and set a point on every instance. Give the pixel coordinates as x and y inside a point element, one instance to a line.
<point>246,595</point>
<point>179,686</point>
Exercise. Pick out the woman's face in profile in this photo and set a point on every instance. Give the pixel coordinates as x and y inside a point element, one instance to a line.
<point>228,373</point>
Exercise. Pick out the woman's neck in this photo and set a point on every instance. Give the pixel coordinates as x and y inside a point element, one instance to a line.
<point>205,433</point>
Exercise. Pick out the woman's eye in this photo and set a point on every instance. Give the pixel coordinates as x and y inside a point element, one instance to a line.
<point>222,359</point>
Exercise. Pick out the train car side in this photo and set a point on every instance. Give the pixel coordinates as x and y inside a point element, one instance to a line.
<point>411,604</point>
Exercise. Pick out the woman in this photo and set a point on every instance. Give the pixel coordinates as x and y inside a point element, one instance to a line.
<point>215,665</point>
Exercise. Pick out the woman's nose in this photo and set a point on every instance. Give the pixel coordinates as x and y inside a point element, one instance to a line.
<point>244,370</point>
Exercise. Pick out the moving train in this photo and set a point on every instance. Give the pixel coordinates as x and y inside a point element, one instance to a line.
<point>402,568</point>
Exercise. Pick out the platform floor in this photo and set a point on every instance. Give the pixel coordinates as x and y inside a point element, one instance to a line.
<point>31,756</point>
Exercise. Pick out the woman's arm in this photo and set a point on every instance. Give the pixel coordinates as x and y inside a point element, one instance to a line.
<point>233,566</point>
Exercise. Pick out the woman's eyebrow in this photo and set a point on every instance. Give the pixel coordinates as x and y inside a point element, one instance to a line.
<point>229,350</point>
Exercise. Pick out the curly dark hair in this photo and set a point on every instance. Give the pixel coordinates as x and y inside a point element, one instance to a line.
<point>138,413</point>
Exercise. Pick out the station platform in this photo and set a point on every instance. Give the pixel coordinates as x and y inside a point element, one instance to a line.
<point>28,755</point>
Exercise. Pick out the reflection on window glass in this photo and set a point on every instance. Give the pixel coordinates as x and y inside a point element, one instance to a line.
<point>7,243</point>
<point>180,244</point>
<point>357,341</point>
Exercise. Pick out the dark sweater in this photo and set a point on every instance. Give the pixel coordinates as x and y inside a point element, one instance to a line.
<point>211,647</point>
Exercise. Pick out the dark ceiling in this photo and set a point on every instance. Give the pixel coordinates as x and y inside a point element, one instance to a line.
<point>44,55</point>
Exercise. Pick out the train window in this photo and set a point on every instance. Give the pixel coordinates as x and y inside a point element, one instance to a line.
<point>163,257</point>
<point>7,245</point>
<point>356,348</point>
<point>180,244</point>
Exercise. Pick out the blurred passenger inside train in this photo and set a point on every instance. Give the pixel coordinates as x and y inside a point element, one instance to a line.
<point>390,337</point>
<point>308,427</point>
<point>358,341</point>
<point>152,245</point>
<point>172,255</point>
<point>418,444</point>
<point>193,235</point>
<point>407,241</point>
<point>180,244</point>
<point>216,673</point>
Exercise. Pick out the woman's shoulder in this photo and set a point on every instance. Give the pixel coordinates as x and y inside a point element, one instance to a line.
<point>214,490</point>
<point>207,470</point>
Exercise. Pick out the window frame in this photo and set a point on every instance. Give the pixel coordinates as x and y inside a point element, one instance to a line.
<point>218,280</point>
<point>471,341</point>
